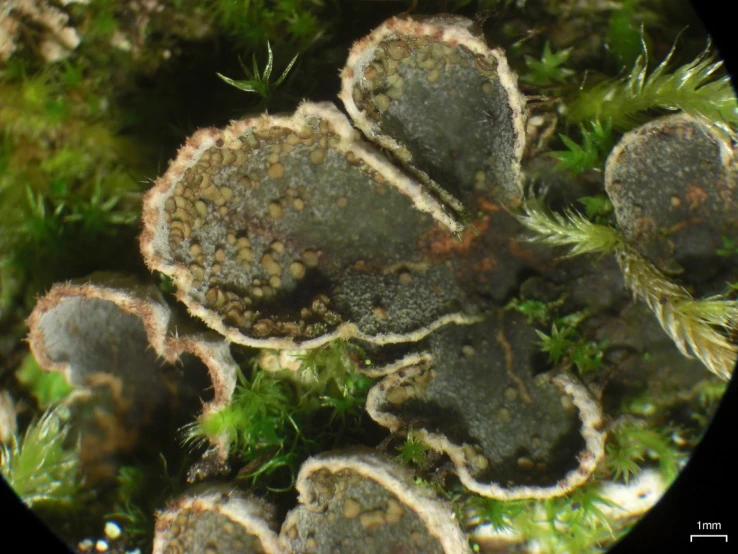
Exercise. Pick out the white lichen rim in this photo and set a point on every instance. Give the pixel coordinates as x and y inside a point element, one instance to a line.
<point>240,510</point>
<point>635,136</point>
<point>454,31</point>
<point>409,360</point>
<point>437,516</point>
<point>592,430</point>
<point>147,304</point>
<point>154,237</point>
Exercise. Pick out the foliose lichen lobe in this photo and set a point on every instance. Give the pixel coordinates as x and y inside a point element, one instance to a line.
<point>113,332</point>
<point>216,519</point>
<point>266,226</point>
<point>417,86</point>
<point>362,502</point>
<point>476,397</point>
<point>673,186</point>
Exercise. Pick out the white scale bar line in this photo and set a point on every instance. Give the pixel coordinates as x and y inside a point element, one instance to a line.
<point>716,536</point>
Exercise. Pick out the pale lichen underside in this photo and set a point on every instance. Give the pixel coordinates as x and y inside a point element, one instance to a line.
<point>112,324</point>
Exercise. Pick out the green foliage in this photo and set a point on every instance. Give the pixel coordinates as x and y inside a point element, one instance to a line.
<point>502,515</point>
<point>534,311</point>
<point>598,208</point>
<point>729,248</point>
<point>276,420</point>
<point>139,524</point>
<point>47,387</point>
<point>141,491</point>
<point>570,229</point>
<point>566,347</point>
<point>259,422</point>
<point>252,22</point>
<point>41,469</point>
<point>596,144</point>
<point>259,81</point>
<point>709,392</point>
<point>413,451</point>
<point>587,356</point>
<point>549,70</point>
<point>692,88</point>
<point>695,325</point>
<point>632,442</point>
<point>623,459</point>
<point>575,522</point>
<point>66,179</point>
<point>60,228</point>
<point>558,343</point>
<point>578,519</point>
<point>626,31</point>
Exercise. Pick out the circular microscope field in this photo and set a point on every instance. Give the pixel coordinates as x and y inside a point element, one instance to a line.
<point>360,277</point>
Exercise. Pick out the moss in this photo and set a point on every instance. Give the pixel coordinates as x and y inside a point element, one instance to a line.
<point>276,419</point>
<point>43,470</point>
<point>46,387</point>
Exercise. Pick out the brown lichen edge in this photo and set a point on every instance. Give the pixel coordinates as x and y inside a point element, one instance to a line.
<point>437,516</point>
<point>247,513</point>
<point>453,30</point>
<point>154,238</point>
<point>146,303</point>
<point>592,430</point>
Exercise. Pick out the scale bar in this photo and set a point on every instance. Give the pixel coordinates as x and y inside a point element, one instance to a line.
<point>715,536</point>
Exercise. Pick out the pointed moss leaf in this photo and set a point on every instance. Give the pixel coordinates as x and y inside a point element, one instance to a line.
<point>259,81</point>
<point>549,69</point>
<point>694,88</point>
<point>246,86</point>
<point>270,63</point>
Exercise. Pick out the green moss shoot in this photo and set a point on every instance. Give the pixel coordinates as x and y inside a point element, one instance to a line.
<point>694,88</point>
<point>276,420</point>
<point>40,467</point>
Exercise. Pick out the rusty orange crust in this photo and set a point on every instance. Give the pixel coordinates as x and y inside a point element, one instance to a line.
<point>485,264</point>
<point>695,196</point>
<point>488,206</point>
<point>440,244</point>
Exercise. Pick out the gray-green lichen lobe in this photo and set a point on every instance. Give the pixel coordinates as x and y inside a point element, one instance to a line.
<point>462,137</point>
<point>446,107</point>
<point>200,531</point>
<point>483,392</point>
<point>353,513</point>
<point>274,231</point>
<point>401,300</point>
<point>673,185</point>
